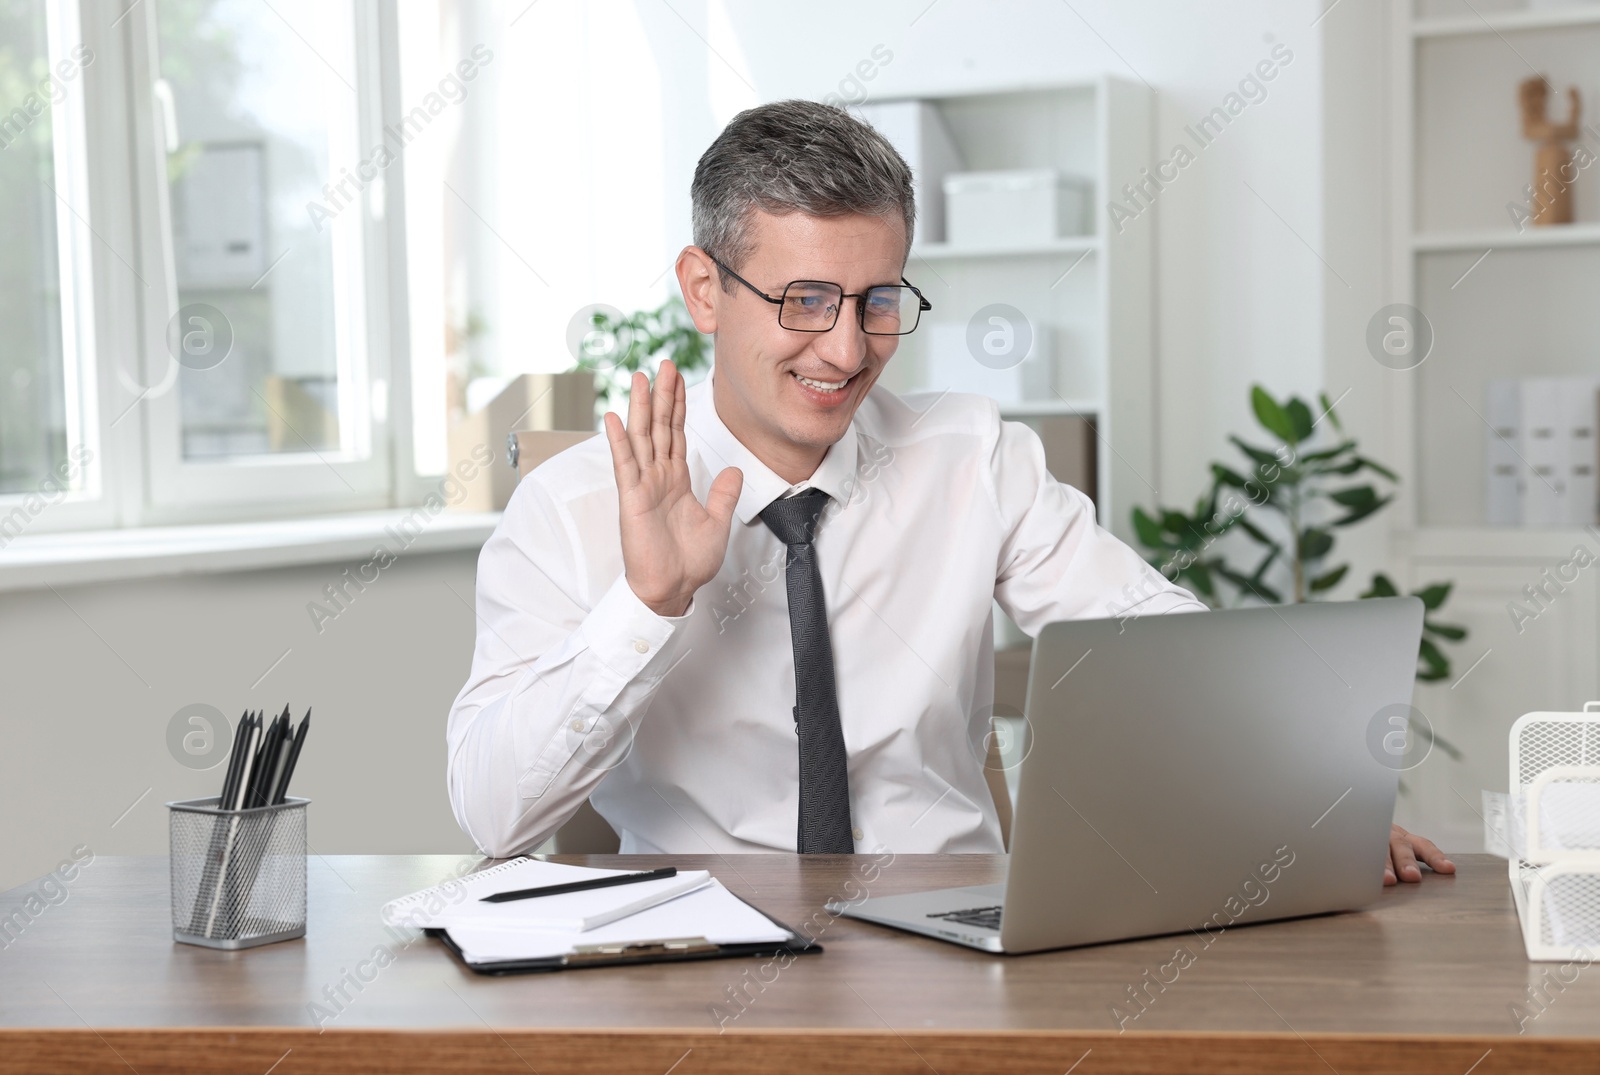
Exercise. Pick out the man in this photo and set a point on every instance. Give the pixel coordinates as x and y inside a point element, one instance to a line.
<point>757,617</point>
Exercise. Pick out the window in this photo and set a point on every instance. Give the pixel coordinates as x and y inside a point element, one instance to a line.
<point>309,235</point>
<point>185,183</point>
<point>47,442</point>
<point>266,386</point>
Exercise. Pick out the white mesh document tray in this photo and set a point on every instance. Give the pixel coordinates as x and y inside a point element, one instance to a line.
<point>1553,830</point>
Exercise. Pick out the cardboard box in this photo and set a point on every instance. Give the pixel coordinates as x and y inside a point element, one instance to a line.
<point>530,401</point>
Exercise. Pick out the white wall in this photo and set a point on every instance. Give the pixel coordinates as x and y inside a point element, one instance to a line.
<point>93,675</point>
<point>1238,295</point>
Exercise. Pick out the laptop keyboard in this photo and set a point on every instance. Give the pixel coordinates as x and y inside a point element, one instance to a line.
<point>982,917</point>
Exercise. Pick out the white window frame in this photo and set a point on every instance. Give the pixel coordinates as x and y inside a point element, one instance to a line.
<point>358,474</point>
<point>120,282</point>
<point>85,505</point>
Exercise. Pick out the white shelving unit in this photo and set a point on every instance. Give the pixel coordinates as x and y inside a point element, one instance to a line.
<point>1091,293</point>
<point>1502,303</point>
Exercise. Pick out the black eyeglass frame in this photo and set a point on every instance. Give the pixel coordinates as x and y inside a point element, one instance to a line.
<point>923,305</point>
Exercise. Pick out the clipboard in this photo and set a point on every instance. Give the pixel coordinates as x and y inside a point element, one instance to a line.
<point>666,950</point>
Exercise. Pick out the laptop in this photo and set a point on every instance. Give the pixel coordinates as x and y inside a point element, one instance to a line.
<point>1193,772</point>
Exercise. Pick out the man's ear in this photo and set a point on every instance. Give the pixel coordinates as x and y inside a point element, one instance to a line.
<point>700,283</point>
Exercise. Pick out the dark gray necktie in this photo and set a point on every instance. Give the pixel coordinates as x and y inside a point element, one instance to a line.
<point>824,826</point>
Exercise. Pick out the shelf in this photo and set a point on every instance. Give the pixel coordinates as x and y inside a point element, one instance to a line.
<point>1508,22</point>
<point>1077,244</point>
<point>1496,543</point>
<point>1049,408</point>
<point>1554,235</point>
<point>1037,408</point>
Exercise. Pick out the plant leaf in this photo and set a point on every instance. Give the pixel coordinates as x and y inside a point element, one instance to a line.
<point>1379,467</point>
<point>1258,455</point>
<point>1435,595</point>
<point>1200,575</point>
<point>1271,415</point>
<point>1227,476</point>
<point>1381,587</point>
<point>1445,630</point>
<point>1299,417</point>
<point>1329,580</point>
<point>1361,513</point>
<point>1315,543</point>
<point>1148,530</point>
<point>1256,532</point>
<point>1327,409</point>
<point>1327,453</point>
<point>1356,496</point>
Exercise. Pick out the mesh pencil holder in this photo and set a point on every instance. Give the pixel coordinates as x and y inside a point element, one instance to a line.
<point>238,876</point>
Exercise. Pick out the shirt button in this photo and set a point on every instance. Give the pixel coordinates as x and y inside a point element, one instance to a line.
<point>857,833</point>
<point>577,726</point>
<point>641,646</point>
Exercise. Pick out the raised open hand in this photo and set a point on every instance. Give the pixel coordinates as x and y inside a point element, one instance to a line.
<point>671,544</point>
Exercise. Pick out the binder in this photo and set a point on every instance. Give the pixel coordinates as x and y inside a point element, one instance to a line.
<point>1579,413</point>
<point>1503,496</point>
<point>1544,447</point>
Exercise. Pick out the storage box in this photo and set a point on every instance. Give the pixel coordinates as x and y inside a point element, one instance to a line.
<point>917,131</point>
<point>1025,207</point>
<point>952,366</point>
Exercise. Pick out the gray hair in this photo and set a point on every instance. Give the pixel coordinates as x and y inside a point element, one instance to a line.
<point>794,156</point>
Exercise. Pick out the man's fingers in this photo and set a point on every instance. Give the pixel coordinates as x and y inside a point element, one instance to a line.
<point>679,412</point>
<point>1429,852</point>
<point>724,496</point>
<point>622,461</point>
<point>661,405</point>
<point>639,419</point>
<point>1402,857</point>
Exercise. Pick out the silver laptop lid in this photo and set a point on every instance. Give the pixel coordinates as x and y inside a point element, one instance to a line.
<point>1222,768</point>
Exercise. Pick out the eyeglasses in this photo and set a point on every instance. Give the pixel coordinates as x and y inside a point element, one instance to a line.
<point>813,305</point>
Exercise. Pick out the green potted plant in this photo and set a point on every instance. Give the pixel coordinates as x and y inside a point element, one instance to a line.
<point>620,345</point>
<point>1289,498</point>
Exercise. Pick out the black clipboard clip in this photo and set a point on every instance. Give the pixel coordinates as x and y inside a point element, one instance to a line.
<point>674,946</point>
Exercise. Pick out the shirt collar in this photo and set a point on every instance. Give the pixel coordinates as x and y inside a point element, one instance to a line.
<point>835,475</point>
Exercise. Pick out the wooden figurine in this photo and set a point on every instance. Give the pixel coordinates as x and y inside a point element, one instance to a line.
<point>1553,170</point>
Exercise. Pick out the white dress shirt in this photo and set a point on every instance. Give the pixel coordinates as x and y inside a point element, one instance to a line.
<point>680,730</point>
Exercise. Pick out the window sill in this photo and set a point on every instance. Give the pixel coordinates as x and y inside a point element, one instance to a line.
<point>34,561</point>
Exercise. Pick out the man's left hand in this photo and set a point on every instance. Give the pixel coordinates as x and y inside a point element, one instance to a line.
<point>1405,848</point>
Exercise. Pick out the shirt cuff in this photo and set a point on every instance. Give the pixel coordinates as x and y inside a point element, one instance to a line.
<point>626,634</point>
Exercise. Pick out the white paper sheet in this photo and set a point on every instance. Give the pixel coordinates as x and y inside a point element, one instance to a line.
<point>711,912</point>
<point>460,902</point>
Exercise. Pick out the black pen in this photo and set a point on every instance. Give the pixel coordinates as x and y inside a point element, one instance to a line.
<point>266,755</point>
<point>580,886</point>
<point>282,790</point>
<point>241,748</point>
<point>234,758</point>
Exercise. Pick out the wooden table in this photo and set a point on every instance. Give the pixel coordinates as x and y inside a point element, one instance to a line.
<point>1425,982</point>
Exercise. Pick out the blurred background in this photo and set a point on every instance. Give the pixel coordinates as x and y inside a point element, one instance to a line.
<point>1302,292</point>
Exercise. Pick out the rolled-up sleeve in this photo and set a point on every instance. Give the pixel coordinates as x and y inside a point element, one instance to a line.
<point>1056,562</point>
<point>558,682</point>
